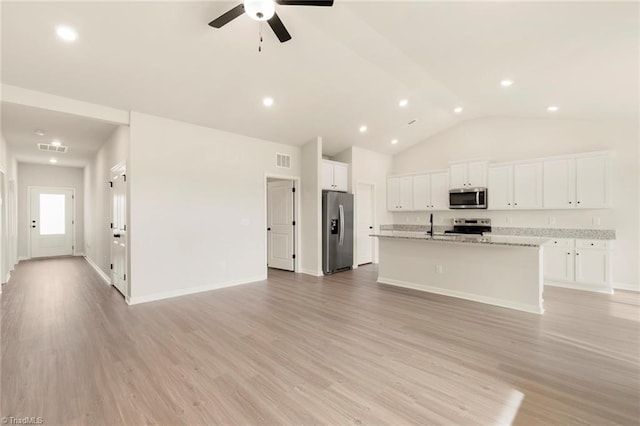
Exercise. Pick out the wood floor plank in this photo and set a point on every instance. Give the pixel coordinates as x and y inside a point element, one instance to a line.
<point>296,349</point>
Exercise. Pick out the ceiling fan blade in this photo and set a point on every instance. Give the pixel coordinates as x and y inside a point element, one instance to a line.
<point>305,2</point>
<point>278,27</point>
<point>225,18</point>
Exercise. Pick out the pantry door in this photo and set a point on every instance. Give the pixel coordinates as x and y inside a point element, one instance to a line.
<point>51,221</point>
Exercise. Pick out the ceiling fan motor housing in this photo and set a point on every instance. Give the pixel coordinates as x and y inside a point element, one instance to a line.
<point>260,10</point>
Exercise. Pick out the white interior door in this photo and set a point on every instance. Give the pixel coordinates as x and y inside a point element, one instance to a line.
<point>119,231</point>
<point>365,207</point>
<point>280,228</point>
<point>51,221</point>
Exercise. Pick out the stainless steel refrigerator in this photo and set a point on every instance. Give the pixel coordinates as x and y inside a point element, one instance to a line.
<point>337,231</point>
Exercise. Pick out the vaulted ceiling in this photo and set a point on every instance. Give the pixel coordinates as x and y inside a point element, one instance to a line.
<point>346,66</point>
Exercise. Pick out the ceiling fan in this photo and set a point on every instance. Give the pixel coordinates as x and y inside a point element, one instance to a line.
<point>265,10</point>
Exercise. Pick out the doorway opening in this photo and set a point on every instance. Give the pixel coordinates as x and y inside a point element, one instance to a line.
<point>282,223</point>
<point>119,239</point>
<point>51,221</point>
<point>366,216</point>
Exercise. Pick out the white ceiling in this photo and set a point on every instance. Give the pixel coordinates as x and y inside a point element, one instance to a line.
<point>345,66</point>
<point>83,136</point>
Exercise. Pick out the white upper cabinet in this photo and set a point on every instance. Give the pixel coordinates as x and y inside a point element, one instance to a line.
<point>335,176</point>
<point>327,175</point>
<point>393,193</point>
<point>581,182</point>
<point>431,191</point>
<point>439,191</point>
<point>527,186</point>
<point>458,176</point>
<point>500,187</point>
<point>515,186</point>
<point>559,183</point>
<point>468,175</point>
<point>400,193</point>
<point>477,174</point>
<point>592,182</point>
<point>422,192</point>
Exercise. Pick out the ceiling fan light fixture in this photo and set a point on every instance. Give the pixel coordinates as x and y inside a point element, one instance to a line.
<point>260,10</point>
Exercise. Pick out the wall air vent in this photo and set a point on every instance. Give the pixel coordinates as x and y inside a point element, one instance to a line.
<point>283,161</point>
<point>52,148</point>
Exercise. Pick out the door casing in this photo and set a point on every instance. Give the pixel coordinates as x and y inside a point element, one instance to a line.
<point>73,214</point>
<point>296,215</point>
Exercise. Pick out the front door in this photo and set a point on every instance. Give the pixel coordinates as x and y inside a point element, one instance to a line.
<point>51,221</point>
<point>280,228</point>
<point>365,208</point>
<point>119,230</point>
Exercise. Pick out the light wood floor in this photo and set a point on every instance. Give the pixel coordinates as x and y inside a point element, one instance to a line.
<point>302,350</point>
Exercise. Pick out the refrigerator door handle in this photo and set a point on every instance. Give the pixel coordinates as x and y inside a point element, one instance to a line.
<point>341,220</point>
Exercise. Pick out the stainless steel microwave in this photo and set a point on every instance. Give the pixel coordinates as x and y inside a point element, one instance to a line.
<point>468,198</point>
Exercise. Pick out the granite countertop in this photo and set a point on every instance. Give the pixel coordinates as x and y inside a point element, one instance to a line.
<point>501,240</point>
<point>585,234</point>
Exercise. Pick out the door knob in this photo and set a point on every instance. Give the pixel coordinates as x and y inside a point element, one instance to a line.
<point>371,227</point>
<point>33,226</point>
<point>268,229</point>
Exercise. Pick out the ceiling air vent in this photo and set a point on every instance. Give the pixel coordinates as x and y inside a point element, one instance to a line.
<point>283,161</point>
<point>52,148</point>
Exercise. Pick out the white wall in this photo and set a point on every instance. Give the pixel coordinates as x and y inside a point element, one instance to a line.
<point>507,139</point>
<point>311,200</point>
<point>8,212</point>
<point>197,207</point>
<point>115,150</point>
<point>369,167</point>
<point>48,176</point>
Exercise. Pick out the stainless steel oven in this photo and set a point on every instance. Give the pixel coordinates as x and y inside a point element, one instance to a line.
<point>468,198</point>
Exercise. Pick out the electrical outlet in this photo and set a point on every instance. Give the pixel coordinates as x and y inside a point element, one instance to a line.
<point>509,220</point>
<point>439,269</point>
<point>552,220</point>
<point>596,221</point>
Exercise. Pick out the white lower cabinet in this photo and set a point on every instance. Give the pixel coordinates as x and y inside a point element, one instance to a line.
<point>581,264</point>
<point>559,264</point>
<point>592,266</point>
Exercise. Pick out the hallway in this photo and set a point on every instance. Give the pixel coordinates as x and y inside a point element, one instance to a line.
<point>297,349</point>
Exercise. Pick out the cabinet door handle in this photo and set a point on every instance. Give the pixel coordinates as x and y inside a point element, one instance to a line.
<point>568,253</point>
<point>570,202</point>
<point>578,202</point>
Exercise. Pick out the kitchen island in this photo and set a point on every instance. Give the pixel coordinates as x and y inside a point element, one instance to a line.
<point>504,271</point>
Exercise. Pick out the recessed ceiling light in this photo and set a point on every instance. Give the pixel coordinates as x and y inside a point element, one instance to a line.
<point>56,142</point>
<point>506,83</point>
<point>552,108</point>
<point>394,141</point>
<point>457,110</point>
<point>67,33</point>
<point>267,102</point>
<point>403,103</point>
<point>363,129</point>
<point>53,161</point>
<point>39,132</point>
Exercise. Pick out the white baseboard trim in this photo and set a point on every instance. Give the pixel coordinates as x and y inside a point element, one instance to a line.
<point>100,272</point>
<point>462,295</point>
<point>192,290</point>
<point>578,286</point>
<point>21,258</point>
<point>311,272</point>
<point>626,286</point>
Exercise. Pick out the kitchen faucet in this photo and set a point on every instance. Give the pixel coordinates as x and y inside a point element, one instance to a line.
<point>430,232</point>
